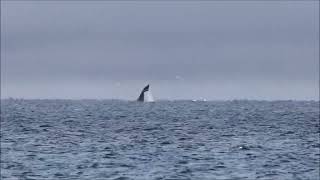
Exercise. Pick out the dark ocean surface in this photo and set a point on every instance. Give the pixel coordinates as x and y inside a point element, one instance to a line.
<point>111,139</point>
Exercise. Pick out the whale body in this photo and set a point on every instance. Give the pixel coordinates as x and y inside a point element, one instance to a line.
<point>145,95</point>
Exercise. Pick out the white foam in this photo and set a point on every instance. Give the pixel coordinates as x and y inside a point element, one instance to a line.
<point>148,96</point>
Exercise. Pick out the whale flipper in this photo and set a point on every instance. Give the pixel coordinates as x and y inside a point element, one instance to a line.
<point>145,95</point>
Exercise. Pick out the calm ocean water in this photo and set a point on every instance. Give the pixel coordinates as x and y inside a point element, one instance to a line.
<point>109,139</point>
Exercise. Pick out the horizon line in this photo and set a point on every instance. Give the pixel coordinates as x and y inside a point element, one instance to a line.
<point>193,100</point>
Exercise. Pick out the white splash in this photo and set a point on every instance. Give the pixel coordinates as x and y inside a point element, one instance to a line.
<point>148,97</point>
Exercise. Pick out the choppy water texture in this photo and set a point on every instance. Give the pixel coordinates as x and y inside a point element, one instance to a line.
<point>91,139</point>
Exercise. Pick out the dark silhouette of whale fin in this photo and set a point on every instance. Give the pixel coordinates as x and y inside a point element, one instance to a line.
<point>141,97</point>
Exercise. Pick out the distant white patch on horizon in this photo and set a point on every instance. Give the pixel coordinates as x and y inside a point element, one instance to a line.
<point>177,77</point>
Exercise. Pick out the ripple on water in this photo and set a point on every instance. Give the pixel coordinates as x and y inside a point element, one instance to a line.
<point>91,139</point>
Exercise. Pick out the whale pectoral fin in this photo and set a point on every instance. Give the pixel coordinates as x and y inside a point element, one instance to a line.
<point>141,97</point>
<point>146,88</point>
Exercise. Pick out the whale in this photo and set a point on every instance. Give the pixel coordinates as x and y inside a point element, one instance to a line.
<point>145,95</point>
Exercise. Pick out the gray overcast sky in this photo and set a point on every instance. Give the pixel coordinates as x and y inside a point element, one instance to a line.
<point>185,50</point>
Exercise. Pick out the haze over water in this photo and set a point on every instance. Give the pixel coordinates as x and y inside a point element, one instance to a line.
<point>185,50</point>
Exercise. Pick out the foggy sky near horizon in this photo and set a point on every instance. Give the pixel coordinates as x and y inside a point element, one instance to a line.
<point>185,50</point>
